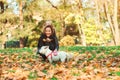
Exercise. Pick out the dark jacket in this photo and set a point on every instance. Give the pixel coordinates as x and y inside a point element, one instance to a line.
<point>53,44</point>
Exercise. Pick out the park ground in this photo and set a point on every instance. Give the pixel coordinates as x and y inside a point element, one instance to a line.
<point>88,63</point>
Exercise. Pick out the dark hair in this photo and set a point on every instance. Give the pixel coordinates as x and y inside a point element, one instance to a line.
<point>51,27</point>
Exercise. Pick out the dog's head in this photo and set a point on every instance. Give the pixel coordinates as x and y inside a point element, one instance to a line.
<point>43,49</point>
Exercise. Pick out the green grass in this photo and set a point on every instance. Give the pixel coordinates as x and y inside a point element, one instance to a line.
<point>32,75</point>
<point>115,50</point>
<point>98,49</point>
<point>53,78</point>
<point>16,50</point>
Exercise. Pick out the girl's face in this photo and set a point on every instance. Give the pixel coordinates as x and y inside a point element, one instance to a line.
<point>48,32</point>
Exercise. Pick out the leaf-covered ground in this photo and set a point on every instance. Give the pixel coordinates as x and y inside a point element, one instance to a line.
<point>86,66</point>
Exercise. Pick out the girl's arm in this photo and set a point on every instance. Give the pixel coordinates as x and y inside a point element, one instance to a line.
<point>56,43</point>
<point>40,41</point>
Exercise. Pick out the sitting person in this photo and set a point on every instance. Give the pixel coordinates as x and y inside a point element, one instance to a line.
<point>48,38</point>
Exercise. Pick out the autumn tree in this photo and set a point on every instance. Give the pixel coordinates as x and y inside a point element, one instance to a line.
<point>113,19</point>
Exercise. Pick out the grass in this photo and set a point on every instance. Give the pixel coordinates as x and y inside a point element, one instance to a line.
<point>115,50</point>
<point>90,56</point>
<point>94,50</point>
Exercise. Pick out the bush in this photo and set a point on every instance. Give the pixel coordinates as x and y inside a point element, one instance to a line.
<point>12,44</point>
<point>67,41</point>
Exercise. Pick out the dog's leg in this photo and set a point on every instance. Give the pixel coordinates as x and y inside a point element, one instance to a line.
<point>69,56</point>
<point>68,59</point>
<point>63,59</point>
<point>50,60</point>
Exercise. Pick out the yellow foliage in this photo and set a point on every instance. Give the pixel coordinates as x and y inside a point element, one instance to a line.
<point>67,41</point>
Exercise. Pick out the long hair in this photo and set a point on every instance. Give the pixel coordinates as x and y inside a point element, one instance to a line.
<point>51,27</point>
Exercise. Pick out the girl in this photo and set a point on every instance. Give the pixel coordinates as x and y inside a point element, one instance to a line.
<point>48,38</point>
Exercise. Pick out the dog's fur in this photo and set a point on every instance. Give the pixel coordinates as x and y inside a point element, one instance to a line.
<point>61,55</point>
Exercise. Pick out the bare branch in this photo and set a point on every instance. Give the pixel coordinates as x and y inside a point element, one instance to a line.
<point>52,4</point>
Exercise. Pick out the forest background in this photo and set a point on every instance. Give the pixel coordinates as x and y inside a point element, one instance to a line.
<point>80,22</point>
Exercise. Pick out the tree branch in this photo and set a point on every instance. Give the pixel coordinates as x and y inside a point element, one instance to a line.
<point>52,4</point>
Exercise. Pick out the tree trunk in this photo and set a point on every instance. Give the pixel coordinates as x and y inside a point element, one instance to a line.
<point>98,21</point>
<point>21,42</point>
<point>2,6</point>
<point>82,35</point>
<point>21,14</point>
<point>21,22</point>
<point>62,24</point>
<point>109,21</point>
<point>63,28</point>
<point>119,15</point>
<point>115,23</point>
<point>81,31</point>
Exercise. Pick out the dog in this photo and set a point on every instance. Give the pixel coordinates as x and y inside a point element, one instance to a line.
<point>55,55</point>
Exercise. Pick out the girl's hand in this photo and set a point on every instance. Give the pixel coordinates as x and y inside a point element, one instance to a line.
<point>44,40</point>
<point>48,39</point>
<point>55,50</point>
